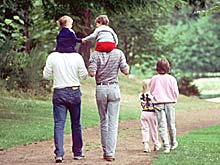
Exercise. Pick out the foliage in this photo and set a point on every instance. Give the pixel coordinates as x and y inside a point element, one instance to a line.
<point>10,31</point>
<point>19,9</point>
<point>134,21</point>
<point>147,30</point>
<point>187,88</point>
<point>43,33</point>
<point>192,46</point>
<point>24,71</point>
<point>214,9</point>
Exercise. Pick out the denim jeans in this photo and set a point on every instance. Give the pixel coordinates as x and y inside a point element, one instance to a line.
<point>108,102</point>
<point>67,99</point>
<point>166,119</point>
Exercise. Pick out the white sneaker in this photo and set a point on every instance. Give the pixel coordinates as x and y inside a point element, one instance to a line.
<point>166,150</point>
<point>146,147</point>
<point>157,147</point>
<point>173,147</point>
<point>79,157</point>
<point>58,159</point>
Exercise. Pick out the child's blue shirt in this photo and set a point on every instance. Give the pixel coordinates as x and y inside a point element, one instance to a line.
<point>66,41</point>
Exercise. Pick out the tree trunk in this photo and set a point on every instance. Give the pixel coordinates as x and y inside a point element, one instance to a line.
<point>26,30</point>
<point>126,49</point>
<point>84,49</point>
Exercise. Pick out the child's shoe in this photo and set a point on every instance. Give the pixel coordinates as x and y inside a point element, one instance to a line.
<point>166,150</point>
<point>157,147</point>
<point>146,147</point>
<point>173,147</point>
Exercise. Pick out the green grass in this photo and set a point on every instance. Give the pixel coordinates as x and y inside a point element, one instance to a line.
<point>25,120</point>
<point>200,147</point>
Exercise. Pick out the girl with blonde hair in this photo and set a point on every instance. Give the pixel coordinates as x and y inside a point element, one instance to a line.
<point>148,119</point>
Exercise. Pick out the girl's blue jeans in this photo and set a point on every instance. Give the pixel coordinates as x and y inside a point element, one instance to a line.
<point>65,99</point>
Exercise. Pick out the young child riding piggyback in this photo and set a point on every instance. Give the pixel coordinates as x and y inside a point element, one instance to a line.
<point>66,39</point>
<point>106,38</point>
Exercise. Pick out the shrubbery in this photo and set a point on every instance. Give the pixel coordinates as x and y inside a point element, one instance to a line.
<point>22,71</point>
<point>187,88</point>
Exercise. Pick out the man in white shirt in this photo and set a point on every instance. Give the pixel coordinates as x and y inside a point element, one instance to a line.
<point>66,69</point>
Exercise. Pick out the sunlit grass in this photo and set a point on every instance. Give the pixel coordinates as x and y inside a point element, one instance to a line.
<point>200,147</point>
<point>208,86</point>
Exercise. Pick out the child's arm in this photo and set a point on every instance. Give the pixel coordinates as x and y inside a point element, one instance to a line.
<point>73,34</point>
<point>76,38</point>
<point>92,36</point>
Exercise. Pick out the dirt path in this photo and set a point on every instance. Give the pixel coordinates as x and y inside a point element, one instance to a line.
<point>129,146</point>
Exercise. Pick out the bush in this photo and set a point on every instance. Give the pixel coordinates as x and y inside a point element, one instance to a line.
<point>23,71</point>
<point>187,88</point>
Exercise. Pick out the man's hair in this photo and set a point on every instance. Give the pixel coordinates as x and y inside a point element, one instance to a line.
<point>64,20</point>
<point>102,19</point>
<point>163,66</point>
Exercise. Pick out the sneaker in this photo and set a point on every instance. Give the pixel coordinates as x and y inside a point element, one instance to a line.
<point>166,150</point>
<point>58,159</point>
<point>173,147</point>
<point>157,147</point>
<point>79,157</point>
<point>146,147</point>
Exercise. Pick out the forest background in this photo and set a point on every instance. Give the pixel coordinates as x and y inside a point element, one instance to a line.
<point>186,32</point>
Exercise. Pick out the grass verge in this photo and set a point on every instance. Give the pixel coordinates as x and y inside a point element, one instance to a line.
<point>195,148</point>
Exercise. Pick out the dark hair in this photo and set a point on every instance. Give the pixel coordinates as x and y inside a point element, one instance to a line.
<point>102,19</point>
<point>163,66</point>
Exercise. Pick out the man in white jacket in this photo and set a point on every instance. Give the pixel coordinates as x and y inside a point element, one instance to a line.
<point>66,69</point>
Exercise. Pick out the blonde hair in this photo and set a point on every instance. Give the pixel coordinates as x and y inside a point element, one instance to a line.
<point>102,19</point>
<point>64,21</point>
<point>145,85</point>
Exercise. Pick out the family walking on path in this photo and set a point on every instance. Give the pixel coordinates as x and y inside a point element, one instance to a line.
<point>66,67</point>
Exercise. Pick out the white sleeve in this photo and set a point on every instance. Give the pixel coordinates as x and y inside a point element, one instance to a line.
<point>92,36</point>
<point>48,70</point>
<point>83,73</point>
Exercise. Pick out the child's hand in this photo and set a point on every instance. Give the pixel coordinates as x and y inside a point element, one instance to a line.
<point>83,40</point>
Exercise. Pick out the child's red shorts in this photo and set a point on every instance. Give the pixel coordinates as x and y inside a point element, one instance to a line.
<point>105,46</point>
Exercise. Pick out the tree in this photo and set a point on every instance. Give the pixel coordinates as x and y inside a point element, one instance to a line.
<point>21,8</point>
<point>85,10</point>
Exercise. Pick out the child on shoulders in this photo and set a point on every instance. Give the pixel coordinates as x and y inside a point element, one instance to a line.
<point>66,39</point>
<point>106,38</point>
